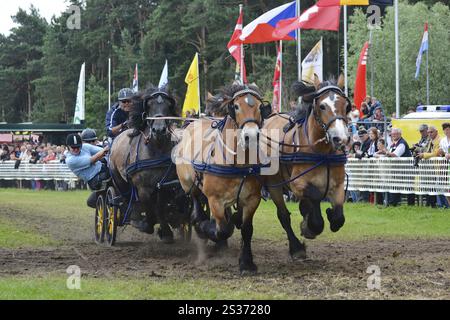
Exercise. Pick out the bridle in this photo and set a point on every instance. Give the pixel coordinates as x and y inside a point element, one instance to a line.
<point>318,94</point>
<point>159,96</point>
<point>265,108</point>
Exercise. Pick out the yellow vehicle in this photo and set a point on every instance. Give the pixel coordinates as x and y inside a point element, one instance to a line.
<point>430,115</point>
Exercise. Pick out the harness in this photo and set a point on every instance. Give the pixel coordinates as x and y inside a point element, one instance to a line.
<point>138,166</point>
<point>317,159</point>
<point>231,172</point>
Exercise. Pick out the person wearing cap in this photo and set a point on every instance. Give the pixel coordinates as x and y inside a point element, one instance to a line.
<point>90,136</point>
<point>117,117</point>
<point>424,138</point>
<point>365,142</point>
<point>83,160</point>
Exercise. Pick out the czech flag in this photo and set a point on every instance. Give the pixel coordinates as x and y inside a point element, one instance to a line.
<point>262,29</point>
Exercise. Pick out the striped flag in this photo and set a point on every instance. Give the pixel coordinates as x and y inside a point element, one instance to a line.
<point>235,46</point>
<point>276,102</point>
<point>423,48</point>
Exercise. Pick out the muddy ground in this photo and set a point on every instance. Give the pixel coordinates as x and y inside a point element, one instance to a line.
<point>410,269</point>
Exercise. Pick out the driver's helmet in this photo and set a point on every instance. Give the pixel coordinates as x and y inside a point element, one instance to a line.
<point>74,140</point>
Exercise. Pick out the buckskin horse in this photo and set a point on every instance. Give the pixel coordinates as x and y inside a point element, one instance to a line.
<point>312,159</point>
<point>142,168</point>
<point>208,165</point>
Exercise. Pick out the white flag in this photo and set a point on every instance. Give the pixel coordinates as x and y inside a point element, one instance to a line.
<point>135,86</point>
<point>79,116</point>
<point>313,64</point>
<point>164,80</point>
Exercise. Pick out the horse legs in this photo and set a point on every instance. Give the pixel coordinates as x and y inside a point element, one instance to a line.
<point>335,214</point>
<point>312,224</point>
<point>297,249</point>
<point>246,264</point>
<point>164,232</point>
<point>221,227</point>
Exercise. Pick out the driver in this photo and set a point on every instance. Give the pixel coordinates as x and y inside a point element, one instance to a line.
<point>83,160</point>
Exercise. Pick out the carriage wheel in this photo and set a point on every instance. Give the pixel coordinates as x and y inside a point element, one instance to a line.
<point>112,217</point>
<point>99,227</point>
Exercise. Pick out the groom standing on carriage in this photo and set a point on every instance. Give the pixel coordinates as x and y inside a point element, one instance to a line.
<point>117,116</point>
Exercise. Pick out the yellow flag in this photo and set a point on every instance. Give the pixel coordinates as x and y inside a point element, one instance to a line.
<point>192,100</point>
<point>354,2</point>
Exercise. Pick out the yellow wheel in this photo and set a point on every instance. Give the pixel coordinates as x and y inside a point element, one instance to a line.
<point>112,217</point>
<point>99,227</point>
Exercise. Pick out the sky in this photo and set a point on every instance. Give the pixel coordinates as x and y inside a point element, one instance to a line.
<point>47,8</point>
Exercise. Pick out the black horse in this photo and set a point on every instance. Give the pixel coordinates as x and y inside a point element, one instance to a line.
<point>142,168</point>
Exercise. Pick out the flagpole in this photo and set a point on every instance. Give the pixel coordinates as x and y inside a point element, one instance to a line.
<point>428,82</point>
<point>198,73</point>
<point>299,45</point>
<point>241,7</point>
<point>345,51</point>
<point>109,84</point>
<point>281,76</point>
<point>370,59</point>
<point>397,63</point>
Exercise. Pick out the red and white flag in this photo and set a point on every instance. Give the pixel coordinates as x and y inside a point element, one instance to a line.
<point>320,18</point>
<point>276,102</point>
<point>360,81</point>
<point>235,44</point>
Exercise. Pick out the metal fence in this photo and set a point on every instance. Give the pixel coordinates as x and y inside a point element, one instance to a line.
<point>399,175</point>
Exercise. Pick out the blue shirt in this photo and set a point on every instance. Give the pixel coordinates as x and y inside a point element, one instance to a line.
<point>81,164</point>
<point>114,117</point>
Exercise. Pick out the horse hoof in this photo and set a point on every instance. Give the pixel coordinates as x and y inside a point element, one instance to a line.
<point>221,245</point>
<point>248,270</point>
<point>336,223</point>
<point>298,255</point>
<point>306,232</point>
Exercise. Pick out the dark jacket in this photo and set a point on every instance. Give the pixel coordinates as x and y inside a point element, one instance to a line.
<point>114,117</point>
<point>407,152</point>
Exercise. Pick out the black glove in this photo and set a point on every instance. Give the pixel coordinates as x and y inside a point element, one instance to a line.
<point>125,125</point>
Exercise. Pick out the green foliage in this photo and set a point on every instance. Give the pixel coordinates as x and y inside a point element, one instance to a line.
<point>96,106</point>
<point>40,62</point>
<point>382,54</point>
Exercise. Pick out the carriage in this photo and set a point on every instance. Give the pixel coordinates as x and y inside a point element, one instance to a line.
<point>144,185</point>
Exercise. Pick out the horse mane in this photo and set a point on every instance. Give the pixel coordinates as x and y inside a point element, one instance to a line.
<point>135,118</point>
<point>306,90</point>
<point>215,106</point>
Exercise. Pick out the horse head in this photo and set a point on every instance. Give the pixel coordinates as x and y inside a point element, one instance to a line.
<point>330,107</point>
<point>152,104</point>
<point>246,107</point>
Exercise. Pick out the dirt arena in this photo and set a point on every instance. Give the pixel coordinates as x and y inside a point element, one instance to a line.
<point>410,269</point>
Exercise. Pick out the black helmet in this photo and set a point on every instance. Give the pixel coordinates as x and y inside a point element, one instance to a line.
<point>125,93</point>
<point>89,135</point>
<point>74,140</point>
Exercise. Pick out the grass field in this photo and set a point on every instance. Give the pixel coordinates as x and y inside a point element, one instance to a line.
<point>27,220</point>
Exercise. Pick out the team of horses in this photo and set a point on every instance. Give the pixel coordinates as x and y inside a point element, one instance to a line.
<point>209,172</point>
